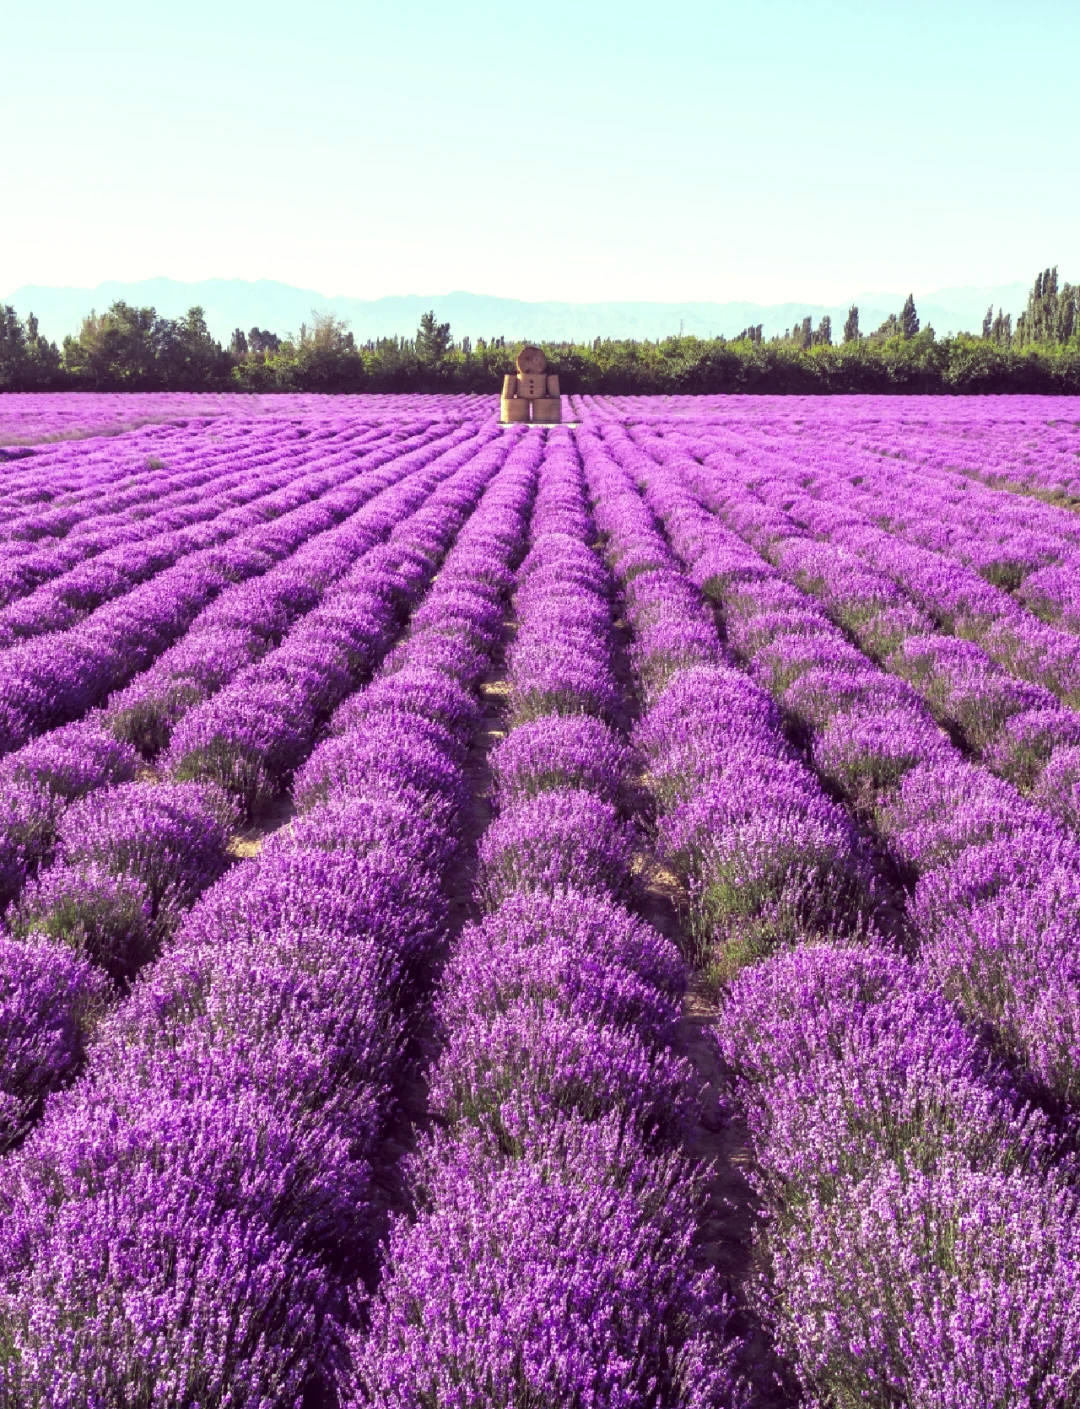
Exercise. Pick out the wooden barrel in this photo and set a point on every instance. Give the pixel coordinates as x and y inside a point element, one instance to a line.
<point>514,408</point>
<point>547,410</point>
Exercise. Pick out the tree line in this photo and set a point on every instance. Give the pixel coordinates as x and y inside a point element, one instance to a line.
<point>137,349</point>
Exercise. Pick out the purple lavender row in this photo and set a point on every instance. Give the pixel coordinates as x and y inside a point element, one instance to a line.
<point>1031,454</point>
<point>58,677</point>
<point>72,474</point>
<point>1004,538</point>
<point>880,1125</point>
<point>240,626</point>
<point>130,861</point>
<point>44,417</point>
<point>34,549</point>
<point>882,520</point>
<point>1029,447</point>
<point>995,900</point>
<point>60,594</point>
<point>70,597</point>
<point>251,736</point>
<point>190,1216</point>
<point>252,618</point>
<point>62,485</point>
<point>1035,640</point>
<point>966,682</point>
<point>248,453</point>
<point>922,1234</point>
<point>120,476</point>
<point>561,771</point>
<point>1001,536</point>
<point>1018,729</point>
<point>109,551</point>
<point>45,775</point>
<point>245,621</point>
<point>1024,443</point>
<point>765,856</point>
<point>551,1255</point>
<point>960,603</point>
<point>968,600</point>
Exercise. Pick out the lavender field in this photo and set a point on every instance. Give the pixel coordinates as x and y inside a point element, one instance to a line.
<point>582,917</point>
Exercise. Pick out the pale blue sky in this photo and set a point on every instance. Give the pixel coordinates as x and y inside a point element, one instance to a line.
<point>603,149</point>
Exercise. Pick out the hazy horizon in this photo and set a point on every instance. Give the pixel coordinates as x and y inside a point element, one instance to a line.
<point>281,308</point>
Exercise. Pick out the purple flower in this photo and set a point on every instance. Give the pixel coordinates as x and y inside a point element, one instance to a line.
<point>29,812</point>
<point>173,837</point>
<point>551,1005</point>
<point>49,1001</point>
<point>867,754</point>
<point>72,761</point>
<point>107,917</point>
<point>560,751</point>
<point>564,1273</point>
<point>565,837</point>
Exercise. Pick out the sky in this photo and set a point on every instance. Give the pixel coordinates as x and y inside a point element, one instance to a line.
<point>668,150</point>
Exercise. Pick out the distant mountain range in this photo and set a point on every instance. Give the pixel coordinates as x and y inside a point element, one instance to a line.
<point>280,308</point>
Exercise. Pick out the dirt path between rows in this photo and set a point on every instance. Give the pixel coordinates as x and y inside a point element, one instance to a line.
<point>720,1142</point>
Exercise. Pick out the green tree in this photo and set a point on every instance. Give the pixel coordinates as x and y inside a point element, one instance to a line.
<point>263,343</point>
<point>188,357</point>
<point>13,351</point>
<point>28,361</point>
<point>116,350</point>
<point>135,349</point>
<point>851,324</point>
<point>326,357</point>
<point>432,339</point>
<point>909,319</point>
<point>1052,315</point>
<point>988,324</point>
<point>823,332</point>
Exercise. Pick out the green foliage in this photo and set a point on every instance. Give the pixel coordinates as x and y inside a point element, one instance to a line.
<point>135,349</point>
<point>260,342</point>
<point>28,362</point>
<point>322,357</point>
<point>888,330</point>
<point>129,348</point>
<point>909,319</point>
<point>432,339</point>
<point>1001,328</point>
<point>1052,316</point>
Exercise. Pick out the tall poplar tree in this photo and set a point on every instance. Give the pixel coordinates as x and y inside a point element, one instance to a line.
<point>909,319</point>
